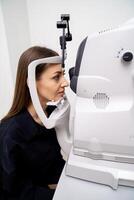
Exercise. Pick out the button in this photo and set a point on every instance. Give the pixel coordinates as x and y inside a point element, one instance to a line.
<point>127,57</point>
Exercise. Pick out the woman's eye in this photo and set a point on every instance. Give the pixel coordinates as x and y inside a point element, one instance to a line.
<point>56,77</point>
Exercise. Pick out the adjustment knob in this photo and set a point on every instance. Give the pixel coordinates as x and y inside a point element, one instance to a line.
<point>65,17</point>
<point>68,37</point>
<point>61,24</point>
<point>127,56</point>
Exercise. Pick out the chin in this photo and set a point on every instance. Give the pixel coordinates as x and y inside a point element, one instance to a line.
<point>59,97</point>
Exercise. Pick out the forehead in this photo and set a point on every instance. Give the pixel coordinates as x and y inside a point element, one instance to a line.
<point>53,68</point>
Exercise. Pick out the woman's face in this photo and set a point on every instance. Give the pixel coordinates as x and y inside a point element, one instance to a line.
<point>51,84</point>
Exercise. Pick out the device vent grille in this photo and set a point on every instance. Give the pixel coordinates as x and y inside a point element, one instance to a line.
<point>101,100</point>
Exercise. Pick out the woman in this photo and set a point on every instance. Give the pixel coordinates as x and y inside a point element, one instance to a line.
<point>30,159</point>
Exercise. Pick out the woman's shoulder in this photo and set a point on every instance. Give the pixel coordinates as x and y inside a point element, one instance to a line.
<point>9,123</point>
<point>9,127</point>
<point>16,126</point>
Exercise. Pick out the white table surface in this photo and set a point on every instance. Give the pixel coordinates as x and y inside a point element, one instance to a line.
<point>70,188</point>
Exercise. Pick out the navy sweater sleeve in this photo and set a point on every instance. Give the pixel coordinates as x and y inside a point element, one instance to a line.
<point>14,186</point>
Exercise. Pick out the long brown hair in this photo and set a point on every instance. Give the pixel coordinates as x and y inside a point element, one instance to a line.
<point>21,94</point>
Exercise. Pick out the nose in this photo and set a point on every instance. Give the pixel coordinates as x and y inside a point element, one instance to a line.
<point>64,83</point>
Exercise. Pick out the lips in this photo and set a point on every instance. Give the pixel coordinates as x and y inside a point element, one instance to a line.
<point>62,92</point>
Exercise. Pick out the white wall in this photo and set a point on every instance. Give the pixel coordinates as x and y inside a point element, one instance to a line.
<point>14,39</point>
<point>16,29</point>
<point>6,84</point>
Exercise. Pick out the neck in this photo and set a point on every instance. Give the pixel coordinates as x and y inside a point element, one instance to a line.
<point>33,113</point>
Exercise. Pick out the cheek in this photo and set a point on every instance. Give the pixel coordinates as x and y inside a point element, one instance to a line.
<point>47,90</point>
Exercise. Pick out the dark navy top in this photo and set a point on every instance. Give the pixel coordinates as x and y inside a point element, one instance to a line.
<point>30,159</point>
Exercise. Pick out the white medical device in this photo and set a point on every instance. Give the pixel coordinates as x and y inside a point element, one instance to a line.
<point>103,132</point>
<point>103,119</point>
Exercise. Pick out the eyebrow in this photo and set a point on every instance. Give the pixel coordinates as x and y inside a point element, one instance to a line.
<point>59,72</point>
